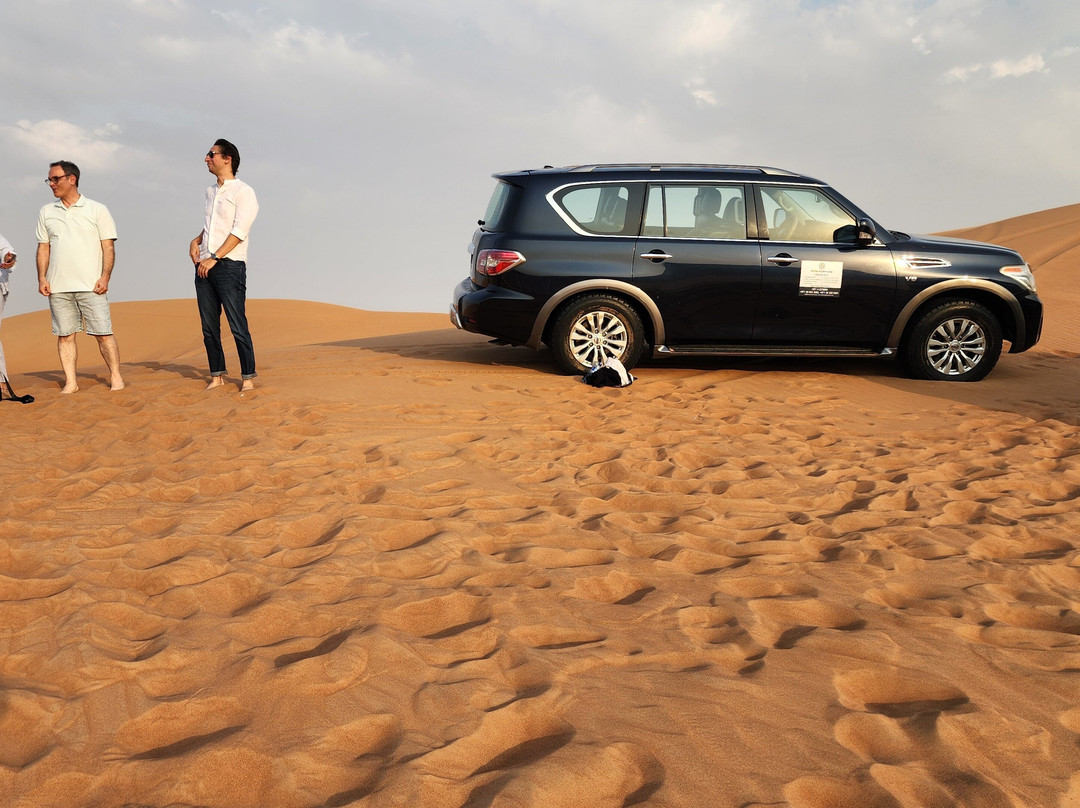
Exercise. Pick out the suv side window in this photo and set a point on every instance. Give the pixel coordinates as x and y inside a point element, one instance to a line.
<point>597,209</point>
<point>803,214</point>
<point>679,210</point>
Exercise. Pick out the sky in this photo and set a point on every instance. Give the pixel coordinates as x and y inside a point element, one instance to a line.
<point>370,129</point>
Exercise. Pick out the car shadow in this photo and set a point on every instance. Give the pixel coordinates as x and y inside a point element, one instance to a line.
<point>1040,386</point>
<point>454,347</point>
<point>1035,385</point>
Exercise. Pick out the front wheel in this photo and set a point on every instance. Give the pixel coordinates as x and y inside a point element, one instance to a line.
<point>595,328</point>
<point>958,340</point>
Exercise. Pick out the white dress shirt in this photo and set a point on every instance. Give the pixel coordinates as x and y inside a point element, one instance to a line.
<point>231,209</point>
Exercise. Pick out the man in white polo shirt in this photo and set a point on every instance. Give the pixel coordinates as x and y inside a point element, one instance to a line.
<point>219,254</point>
<point>75,258</point>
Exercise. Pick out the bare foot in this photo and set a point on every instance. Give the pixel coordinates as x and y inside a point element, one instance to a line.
<point>69,389</point>
<point>216,381</point>
<point>249,384</point>
<point>118,384</point>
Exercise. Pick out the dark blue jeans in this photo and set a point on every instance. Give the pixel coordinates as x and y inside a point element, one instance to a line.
<point>225,288</point>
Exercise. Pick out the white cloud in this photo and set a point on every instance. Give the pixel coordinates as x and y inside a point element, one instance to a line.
<point>60,140</point>
<point>316,48</point>
<point>175,48</point>
<point>962,73</point>
<point>231,17</point>
<point>1033,63</point>
<point>705,30</point>
<point>701,94</point>
<point>1001,69</point>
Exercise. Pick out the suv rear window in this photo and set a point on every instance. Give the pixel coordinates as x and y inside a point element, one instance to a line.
<point>594,209</point>
<point>497,207</point>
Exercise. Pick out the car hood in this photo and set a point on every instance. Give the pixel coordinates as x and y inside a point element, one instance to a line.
<point>951,245</point>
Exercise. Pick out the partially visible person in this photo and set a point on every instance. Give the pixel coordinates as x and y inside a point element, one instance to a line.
<point>220,281</point>
<point>75,256</point>
<point>7,263</point>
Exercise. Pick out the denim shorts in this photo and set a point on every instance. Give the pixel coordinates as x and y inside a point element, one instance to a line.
<point>70,309</point>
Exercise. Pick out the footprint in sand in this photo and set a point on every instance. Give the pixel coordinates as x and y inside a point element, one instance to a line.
<point>616,587</point>
<point>344,765</point>
<point>623,774</point>
<point>521,732</point>
<point>177,728</point>
<point>829,792</point>
<point>716,628</point>
<point>389,535</point>
<point>1039,618</point>
<point>1070,719</point>
<point>764,587</point>
<point>555,558</point>
<point>782,623</point>
<point>896,692</point>
<point>442,616</point>
<point>32,588</point>
<point>27,723</point>
<point>550,637</point>
<point>879,739</point>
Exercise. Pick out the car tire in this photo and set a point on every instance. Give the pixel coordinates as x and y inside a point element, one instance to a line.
<point>594,328</point>
<point>957,341</point>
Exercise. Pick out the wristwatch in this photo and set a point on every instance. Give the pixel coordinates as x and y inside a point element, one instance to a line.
<point>214,256</point>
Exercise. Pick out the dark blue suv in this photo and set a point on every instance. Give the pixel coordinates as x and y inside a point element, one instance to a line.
<point>601,261</point>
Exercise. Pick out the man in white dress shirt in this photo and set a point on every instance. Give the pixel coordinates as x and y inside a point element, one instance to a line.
<point>219,253</point>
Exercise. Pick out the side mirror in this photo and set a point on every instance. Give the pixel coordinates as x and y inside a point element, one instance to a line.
<point>865,233</point>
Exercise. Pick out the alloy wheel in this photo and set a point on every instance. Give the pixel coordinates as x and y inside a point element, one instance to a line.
<point>956,346</point>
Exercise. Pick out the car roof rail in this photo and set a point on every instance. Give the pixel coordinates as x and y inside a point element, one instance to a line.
<point>590,167</point>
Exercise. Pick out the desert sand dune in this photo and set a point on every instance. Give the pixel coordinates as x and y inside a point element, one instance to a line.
<point>415,569</point>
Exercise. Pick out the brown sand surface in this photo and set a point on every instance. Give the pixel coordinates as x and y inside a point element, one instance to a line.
<point>415,569</point>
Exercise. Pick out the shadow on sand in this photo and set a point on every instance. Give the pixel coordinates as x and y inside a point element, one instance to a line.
<point>1036,385</point>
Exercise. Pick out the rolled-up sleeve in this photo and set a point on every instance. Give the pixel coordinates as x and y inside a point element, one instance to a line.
<point>247,208</point>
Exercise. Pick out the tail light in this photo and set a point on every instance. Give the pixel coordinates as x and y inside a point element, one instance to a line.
<point>496,262</point>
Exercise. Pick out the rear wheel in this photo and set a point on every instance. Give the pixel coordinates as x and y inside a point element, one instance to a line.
<point>958,340</point>
<point>595,328</point>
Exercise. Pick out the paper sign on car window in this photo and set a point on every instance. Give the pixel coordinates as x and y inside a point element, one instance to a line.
<point>821,278</point>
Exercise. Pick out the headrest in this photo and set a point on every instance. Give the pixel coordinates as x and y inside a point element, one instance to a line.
<point>708,202</point>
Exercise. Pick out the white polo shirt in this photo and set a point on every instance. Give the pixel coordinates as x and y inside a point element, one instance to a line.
<point>74,236</point>
<point>231,209</point>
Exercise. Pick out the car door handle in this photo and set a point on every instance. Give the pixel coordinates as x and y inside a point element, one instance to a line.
<point>655,255</point>
<point>783,259</point>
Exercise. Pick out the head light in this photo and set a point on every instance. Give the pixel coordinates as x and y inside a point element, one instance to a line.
<point>1020,273</point>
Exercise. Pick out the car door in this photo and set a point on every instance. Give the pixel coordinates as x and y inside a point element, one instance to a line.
<point>817,289</point>
<point>694,260</point>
